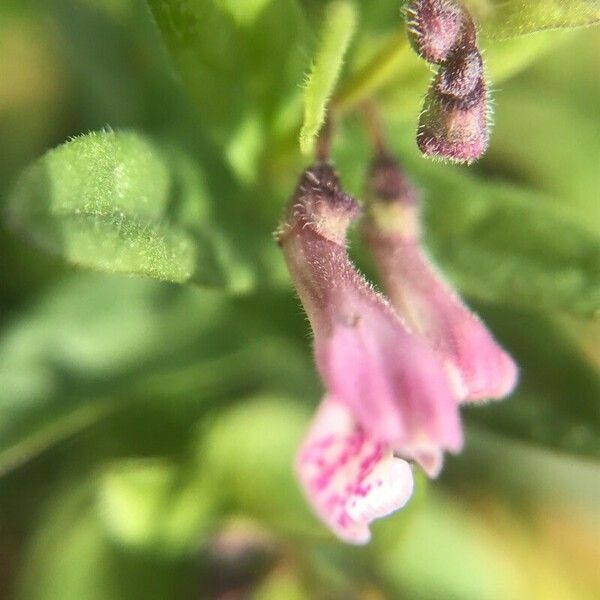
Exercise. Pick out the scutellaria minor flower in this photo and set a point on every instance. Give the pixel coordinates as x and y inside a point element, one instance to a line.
<point>389,389</point>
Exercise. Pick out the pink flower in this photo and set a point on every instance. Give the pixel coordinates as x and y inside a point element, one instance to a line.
<point>390,384</point>
<point>478,366</point>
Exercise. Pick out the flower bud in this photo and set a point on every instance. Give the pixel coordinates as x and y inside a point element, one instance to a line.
<point>320,203</point>
<point>434,27</point>
<point>454,120</point>
<point>454,128</point>
<point>460,74</point>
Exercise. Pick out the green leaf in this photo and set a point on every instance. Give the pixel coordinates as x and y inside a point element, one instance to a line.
<point>506,245</point>
<point>94,346</point>
<point>558,154</point>
<point>392,62</point>
<point>71,360</point>
<point>543,474</point>
<point>510,18</point>
<point>238,63</point>
<point>156,506</point>
<point>508,57</point>
<point>102,201</point>
<point>337,30</point>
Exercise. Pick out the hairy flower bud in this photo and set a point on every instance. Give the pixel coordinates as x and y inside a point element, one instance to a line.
<point>454,120</point>
<point>460,74</point>
<point>434,27</point>
<point>478,366</point>
<point>453,127</point>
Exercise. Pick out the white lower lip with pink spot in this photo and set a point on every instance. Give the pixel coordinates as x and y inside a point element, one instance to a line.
<point>350,479</point>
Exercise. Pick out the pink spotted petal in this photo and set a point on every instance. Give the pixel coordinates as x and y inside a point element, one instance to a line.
<point>349,478</point>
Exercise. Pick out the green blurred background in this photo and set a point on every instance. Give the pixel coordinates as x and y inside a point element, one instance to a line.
<point>147,428</point>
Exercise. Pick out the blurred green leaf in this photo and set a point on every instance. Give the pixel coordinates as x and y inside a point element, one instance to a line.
<point>509,18</point>
<point>70,557</point>
<point>156,506</point>
<point>336,33</point>
<point>522,470</point>
<point>508,57</point>
<point>96,345</point>
<point>67,362</point>
<point>102,201</point>
<point>559,153</point>
<point>445,552</point>
<point>241,69</point>
<point>506,245</point>
<point>249,452</point>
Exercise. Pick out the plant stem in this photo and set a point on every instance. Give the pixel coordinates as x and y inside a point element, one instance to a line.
<point>381,70</point>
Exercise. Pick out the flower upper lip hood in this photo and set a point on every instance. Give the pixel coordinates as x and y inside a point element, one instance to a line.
<point>391,381</point>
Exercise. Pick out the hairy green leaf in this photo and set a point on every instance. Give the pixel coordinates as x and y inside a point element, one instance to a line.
<point>103,201</point>
<point>506,245</point>
<point>336,33</point>
<point>510,18</point>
